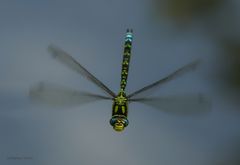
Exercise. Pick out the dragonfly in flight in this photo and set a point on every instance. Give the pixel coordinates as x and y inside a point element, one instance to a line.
<point>56,94</point>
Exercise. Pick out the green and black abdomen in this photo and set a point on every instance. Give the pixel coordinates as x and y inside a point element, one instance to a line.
<point>126,59</point>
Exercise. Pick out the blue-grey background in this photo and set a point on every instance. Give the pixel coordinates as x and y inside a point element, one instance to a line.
<point>93,33</point>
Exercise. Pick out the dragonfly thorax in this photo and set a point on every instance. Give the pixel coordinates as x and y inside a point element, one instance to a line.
<point>121,98</point>
<point>119,112</point>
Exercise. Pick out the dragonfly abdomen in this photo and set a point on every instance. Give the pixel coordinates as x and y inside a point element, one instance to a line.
<point>126,58</point>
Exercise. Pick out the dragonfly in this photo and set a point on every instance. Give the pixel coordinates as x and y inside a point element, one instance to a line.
<point>52,93</point>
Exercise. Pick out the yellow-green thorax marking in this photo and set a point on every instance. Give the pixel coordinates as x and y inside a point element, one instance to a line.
<point>120,105</point>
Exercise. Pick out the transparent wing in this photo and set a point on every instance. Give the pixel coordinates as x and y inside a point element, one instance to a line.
<point>179,104</point>
<point>70,62</point>
<point>170,77</point>
<point>61,96</point>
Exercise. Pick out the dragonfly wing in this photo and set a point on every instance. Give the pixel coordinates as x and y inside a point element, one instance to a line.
<point>61,96</point>
<point>177,73</point>
<point>70,62</point>
<point>179,104</point>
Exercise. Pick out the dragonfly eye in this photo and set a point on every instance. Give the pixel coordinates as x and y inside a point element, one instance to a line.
<point>118,123</point>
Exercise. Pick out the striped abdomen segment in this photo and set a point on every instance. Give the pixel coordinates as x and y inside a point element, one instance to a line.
<point>126,58</point>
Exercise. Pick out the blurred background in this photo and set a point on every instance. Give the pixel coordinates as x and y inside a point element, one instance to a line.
<point>167,35</point>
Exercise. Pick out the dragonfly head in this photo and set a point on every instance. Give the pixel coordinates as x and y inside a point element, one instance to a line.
<point>119,123</point>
